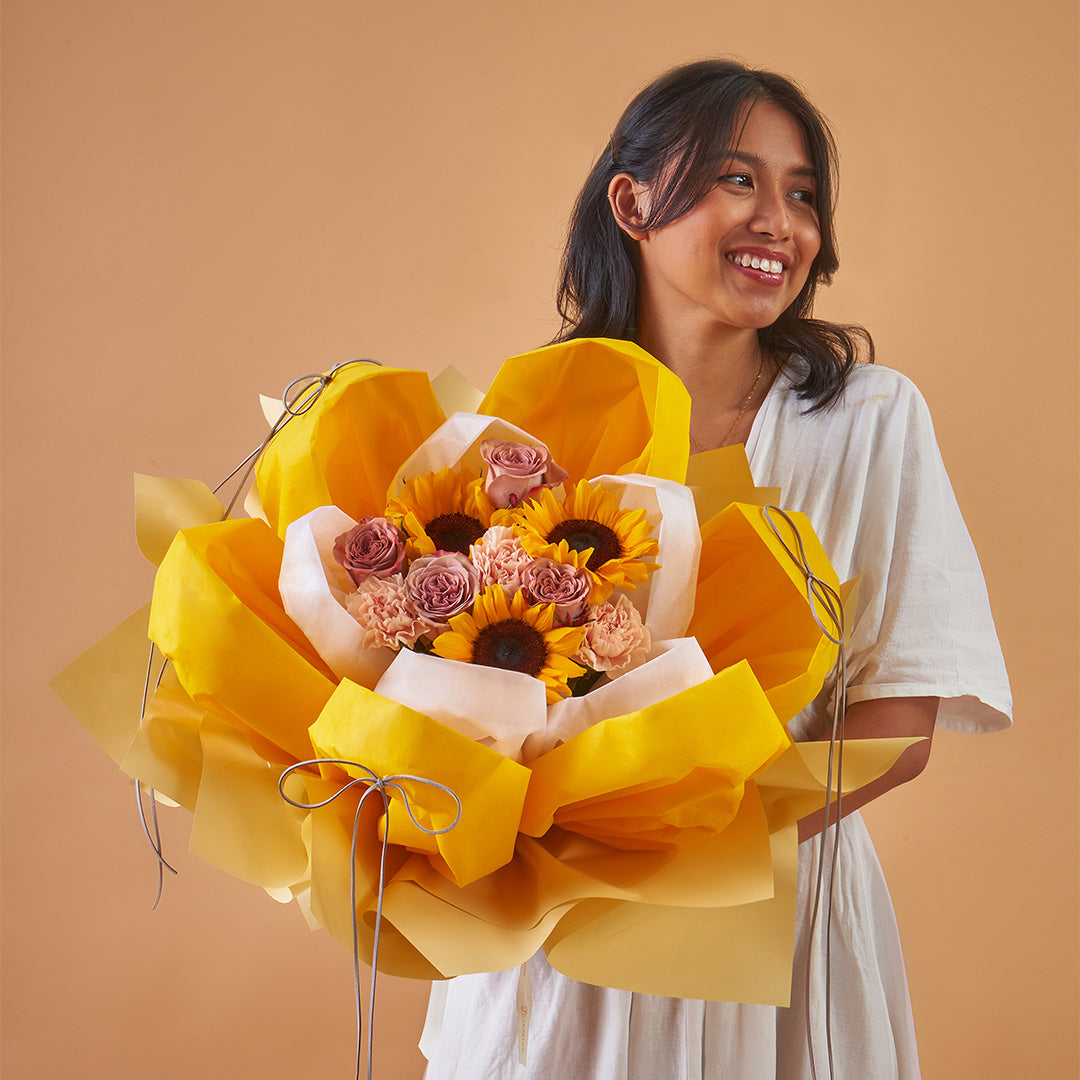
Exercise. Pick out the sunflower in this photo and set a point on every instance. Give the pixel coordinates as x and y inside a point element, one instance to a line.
<point>510,634</point>
<point>589,529</point>
<point>442,511</point>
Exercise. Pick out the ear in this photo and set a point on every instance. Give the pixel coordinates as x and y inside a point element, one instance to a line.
<point>629,202</point>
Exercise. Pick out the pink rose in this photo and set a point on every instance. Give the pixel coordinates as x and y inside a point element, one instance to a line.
<point>440,586</point>
<point>615,637</point>
<point>565,586</point>
<point>514,470</point>
<point>372,548</point>
<point>500,558</point>
<point>385,614</point>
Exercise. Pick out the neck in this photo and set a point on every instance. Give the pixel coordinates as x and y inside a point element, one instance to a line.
<point>717,368</point>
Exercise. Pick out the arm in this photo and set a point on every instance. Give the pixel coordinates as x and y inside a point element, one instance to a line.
<point>883,718</point>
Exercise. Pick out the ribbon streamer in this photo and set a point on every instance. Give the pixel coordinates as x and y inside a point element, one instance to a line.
<point>819,592</point>
<point>152,829</point>
<point>372,783</point>
<point>296,399</point>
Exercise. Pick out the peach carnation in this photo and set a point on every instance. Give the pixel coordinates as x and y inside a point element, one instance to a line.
<point>385,613</point>
<point>615,637</point>
<point>500,558</point>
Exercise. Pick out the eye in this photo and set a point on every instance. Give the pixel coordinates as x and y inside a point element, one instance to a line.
<point>738,179</point>
<point>805,195</point>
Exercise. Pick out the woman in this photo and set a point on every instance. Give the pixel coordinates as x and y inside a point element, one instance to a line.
<point>702,234</point>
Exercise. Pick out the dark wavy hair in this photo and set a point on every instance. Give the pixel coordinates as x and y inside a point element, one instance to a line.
<point>689,118</point>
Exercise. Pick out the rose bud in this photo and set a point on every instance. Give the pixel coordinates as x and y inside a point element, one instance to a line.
<point>567,587</point>
<point>515,470</point>
<point>371,548</point>
<point>441,586</point>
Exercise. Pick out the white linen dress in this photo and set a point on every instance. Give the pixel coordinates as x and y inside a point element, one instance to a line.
<point>869,475</point>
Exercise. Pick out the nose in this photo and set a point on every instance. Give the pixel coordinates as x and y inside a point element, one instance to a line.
<point>771,216</point>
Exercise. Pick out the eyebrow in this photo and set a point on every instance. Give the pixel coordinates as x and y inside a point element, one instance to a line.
<point>757,162</point>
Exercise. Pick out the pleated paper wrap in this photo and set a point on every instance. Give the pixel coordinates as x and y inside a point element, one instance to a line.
<point>643,835</point>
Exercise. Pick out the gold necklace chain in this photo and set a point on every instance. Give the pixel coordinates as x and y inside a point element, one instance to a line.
<point>746,402</point>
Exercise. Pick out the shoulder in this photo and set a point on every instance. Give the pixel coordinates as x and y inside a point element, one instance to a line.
<point>874,448</point>
<point>878,379</point>
<point>877,402</point>
<point>871,384</point>
<point>867,384</point>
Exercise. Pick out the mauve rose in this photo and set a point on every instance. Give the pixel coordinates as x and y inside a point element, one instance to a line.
<point>615,637</point>
<point>371,548</point>
<point>440,586</point>
<point>515,469</point>
<point>565,586</point>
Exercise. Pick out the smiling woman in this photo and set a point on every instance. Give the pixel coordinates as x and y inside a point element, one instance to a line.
<point>743,254</point>
<point>702,234</point>
<point>703,137</point>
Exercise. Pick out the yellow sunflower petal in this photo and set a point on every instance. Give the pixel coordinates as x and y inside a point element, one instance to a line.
<point>538,525</point>
<point>454,645</point>
<point>492,608</point>
<point>445,494</point>
<point>543,618</point>
<point>563,666</point>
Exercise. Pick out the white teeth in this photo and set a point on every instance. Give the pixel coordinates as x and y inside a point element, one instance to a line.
<point>755,262</point>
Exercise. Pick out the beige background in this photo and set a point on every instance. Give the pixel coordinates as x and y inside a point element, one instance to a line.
<point>206,198</point>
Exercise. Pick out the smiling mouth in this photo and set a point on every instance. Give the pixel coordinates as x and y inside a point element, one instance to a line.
<point>767,266</point>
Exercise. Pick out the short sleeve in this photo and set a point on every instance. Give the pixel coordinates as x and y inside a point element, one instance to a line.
<point>870,476</point>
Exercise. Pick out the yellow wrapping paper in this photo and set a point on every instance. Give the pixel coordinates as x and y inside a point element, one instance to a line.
<point>166,752</point>
<point>345,450</point>
<point>163,507</point>
<point>217,615</point>
<point>241,822</point>
<point>603,406</point>
<point>753,607</point>
<point>654,850</point>
<point>743,953</point>
<point>677,767</point>
<point>555,887</point>
<point>722,476</point>
<point>103,687</point>
<point>390,739</point>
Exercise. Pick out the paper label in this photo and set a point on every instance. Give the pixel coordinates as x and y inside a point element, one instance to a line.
<point>524,1007</point>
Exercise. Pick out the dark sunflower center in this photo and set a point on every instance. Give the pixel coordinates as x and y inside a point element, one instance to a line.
<point>454,532</point>
<point>511,644</point>
<point>581,535</point>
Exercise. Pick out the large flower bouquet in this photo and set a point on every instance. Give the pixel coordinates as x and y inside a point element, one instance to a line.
<point>540,603</point>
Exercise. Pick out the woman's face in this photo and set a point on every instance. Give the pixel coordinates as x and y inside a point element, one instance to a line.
<point>743,254</point>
